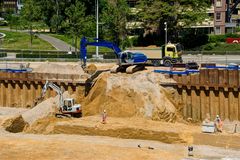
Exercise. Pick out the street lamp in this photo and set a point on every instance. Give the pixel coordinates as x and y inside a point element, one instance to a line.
<point>166,39</point>
<point>97,23</point>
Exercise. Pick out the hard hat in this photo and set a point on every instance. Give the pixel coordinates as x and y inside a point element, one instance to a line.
<point>104,110</point>
<point>217,116</point>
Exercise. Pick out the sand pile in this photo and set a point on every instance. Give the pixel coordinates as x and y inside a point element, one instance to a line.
<point>43,109</point>
<point>125,95</point>
<point>14,124</point>
<point>91,68</point>
<point>61,69</point>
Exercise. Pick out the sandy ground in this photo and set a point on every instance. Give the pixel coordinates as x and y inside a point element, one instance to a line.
<point>46,144</point>
<point>68,146</point>
<point>28,146</point>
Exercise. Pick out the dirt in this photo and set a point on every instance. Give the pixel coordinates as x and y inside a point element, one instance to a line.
<point>137,108</point>
<point>137,95</point>
<point>49,67</point>
<point>91,68</point>
<point>15,124</point>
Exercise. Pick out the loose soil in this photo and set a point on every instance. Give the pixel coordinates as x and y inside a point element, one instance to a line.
<point>137,108</point>
<point>137,95</point>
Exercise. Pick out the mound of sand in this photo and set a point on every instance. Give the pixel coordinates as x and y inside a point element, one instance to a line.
<point>61,69</point>
<point>14,124</point>
<point>91,68</point>
<point>125,95</point>
<point>43,109</point>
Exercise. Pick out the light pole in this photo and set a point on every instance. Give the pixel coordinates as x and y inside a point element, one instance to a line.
<point>166,39</point>
<point>97,23</point>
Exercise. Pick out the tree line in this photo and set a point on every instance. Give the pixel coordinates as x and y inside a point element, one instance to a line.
<point>77,17</point>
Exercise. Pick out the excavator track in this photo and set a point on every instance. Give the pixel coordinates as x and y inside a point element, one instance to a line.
<point>114,69</point>
<point>118,68</point>
<point>134,68</point>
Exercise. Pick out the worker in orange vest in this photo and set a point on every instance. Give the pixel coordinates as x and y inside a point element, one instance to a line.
<point>218,124</point>
<point>104,116</point>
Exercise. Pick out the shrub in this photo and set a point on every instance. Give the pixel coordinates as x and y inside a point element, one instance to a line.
<point>222,38</point>
<point>3,54</point>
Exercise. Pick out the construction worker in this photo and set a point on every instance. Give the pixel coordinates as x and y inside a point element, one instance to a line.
<point>104,116</point>
<point>218,124</point>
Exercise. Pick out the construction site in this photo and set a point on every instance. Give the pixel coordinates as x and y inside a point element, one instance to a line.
<point>148,114</point>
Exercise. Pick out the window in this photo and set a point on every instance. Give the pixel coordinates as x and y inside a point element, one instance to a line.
<point>218,16</point>
<point>132,3</point>
<point>217,30</point>
<point>170,49</point>
<point>218,3</point>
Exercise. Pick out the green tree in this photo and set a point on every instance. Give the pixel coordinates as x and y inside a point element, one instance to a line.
<point>77,22</point>
<point>30,15</point>
<point>177,14</point>
<point>114,18</point>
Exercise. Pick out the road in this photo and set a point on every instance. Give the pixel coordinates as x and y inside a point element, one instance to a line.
<point>219,59</point>
<point>56,43</point>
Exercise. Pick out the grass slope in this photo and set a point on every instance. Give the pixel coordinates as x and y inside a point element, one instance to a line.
<point>18,40</point>
<point>68,40</point>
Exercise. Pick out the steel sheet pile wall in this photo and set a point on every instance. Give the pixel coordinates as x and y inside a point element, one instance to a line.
<point>23,89</point>
<point>213,91</point>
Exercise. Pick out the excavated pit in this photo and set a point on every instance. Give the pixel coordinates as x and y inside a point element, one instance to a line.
<point>132,103</point>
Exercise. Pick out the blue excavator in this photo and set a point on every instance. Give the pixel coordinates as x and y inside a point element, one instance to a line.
<point>128,62</point>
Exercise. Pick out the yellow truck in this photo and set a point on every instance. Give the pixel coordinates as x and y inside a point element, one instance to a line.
<point>168,55</point>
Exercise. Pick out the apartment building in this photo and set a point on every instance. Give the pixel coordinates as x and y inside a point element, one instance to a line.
<point>13,5</point>
<point>216,23</point>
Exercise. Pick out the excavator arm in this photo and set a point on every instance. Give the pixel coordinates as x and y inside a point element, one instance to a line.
<point>101,43</point>
<point>55,88</point>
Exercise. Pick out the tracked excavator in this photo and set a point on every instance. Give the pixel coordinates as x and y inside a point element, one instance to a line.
<point>128,62</point>
<point>66,106</point>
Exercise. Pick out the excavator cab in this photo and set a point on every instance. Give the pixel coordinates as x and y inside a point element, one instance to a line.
<point>68,104</point>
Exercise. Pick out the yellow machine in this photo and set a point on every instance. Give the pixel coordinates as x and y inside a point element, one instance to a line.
<point>169,54</point>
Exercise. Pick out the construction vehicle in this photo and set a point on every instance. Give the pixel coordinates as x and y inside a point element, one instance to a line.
<point>66,106</point>
<point>168,55</point>
<point>128,62</point>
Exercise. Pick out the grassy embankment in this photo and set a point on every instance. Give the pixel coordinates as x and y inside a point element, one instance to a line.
<point>68,40</point>
<point>19,40</point>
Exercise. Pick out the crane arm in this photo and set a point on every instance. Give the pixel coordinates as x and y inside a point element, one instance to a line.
<point>100,43</point>
<point>55,88</point>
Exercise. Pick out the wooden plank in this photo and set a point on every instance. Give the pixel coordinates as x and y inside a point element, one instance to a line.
<point>4,92</point>
<point>238,106</point>
<point>233,78</point>
<point>214,103</point>
<point>25,94</point>
<point>233,105</point>
<point>196,112</point>
<point>1,93</point>
<point>203,103</point>
<point>189,104</point>
<point>18,94</point>
<point>222,106</point>
<point>203,77</point>
<point>213,77</point>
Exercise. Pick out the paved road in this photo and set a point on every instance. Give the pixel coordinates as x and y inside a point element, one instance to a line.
<point>57,43</point>
<point>220,59</point>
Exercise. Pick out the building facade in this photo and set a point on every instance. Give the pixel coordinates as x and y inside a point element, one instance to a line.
<point>11,5</point>
<point>216,23</point>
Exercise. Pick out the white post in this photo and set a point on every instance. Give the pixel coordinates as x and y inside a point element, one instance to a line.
<point>166,39</point>
<point>97,27</point>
